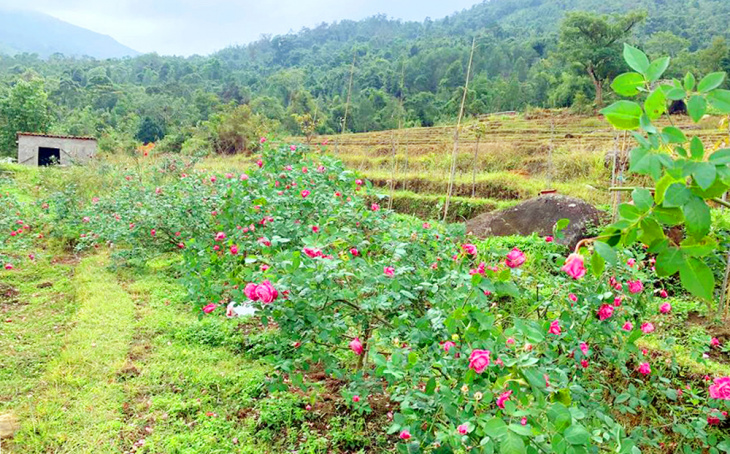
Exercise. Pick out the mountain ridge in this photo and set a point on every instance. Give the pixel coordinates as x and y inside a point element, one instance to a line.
<point>24,31</point>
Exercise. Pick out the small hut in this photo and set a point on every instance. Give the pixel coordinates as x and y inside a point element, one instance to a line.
<point>47,149</point>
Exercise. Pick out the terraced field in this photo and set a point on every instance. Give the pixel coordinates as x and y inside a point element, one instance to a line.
<point>516,157</point>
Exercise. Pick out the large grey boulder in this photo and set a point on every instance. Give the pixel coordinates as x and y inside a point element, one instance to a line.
<point>539,215</point>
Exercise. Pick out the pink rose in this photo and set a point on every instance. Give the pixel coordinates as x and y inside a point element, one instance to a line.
<point>628,326</point>
<point>356,398</point>
<point>549,239</point>
<point>354,252</point>
<point>8,266</point>
<point>266,293</point>
<point>469,249</point>
<point>311,252</point>
<point>665,308</point>
<point>631,262</point>
<point>358,182</point>
<point>663,293</point>
<point>463,429</point>
<point>573,298</point>
<point>260,163</point>
<point>293,147</point>
<point>209,308</point>
<point>583,348</point>
<point>250,291</point>
<point>153,232</point>
<point>647,328</point>
<point>515,258</point>
<point>305,193</point>
<point>448,345</point>
<point>721,388</point>
<point>405,435</point>
<point>644,368</point>
<point>356,346</point>
<point>479,360</point>
<point>504,397</point>
<point>635,286</point>
<point>389,271</point>
<point>715,342</point>
<point>523,421</point>
<point>262,140</point>
<point>584,363</point>
<point>375,207</point>
<point>510,341</point>
<point>220,236</point>
<point>574,266</point>
<point>555,327</point>
<point>234,249</point>
<point>605,312</point>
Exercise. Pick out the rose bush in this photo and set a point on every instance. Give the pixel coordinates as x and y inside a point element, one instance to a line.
<point>482,346</point>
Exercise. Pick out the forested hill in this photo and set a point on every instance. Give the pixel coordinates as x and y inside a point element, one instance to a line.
<point>528,53</point>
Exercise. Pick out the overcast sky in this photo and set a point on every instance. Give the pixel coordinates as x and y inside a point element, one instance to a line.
<point>186,27</point>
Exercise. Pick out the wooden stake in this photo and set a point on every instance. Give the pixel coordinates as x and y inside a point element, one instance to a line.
<point>614,196</point>
<point>456,132</point>
<point>392,171</point>
<point>349,93</point>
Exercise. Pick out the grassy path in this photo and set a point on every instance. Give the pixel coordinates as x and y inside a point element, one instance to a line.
<point>77,408</point>
<point>120,364</point>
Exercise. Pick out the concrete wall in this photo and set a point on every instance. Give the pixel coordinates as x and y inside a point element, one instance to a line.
<point>73,151</point>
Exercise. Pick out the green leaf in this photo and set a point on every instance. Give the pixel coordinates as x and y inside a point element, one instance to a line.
<point>597,265</point>
<point>577,435</point>
<point>495,428</point>
<point>696,107</point>
<point>607,252</point>
<point>674,135</point>
<point>689,81</point>
<point>519,429</point>
<point>650,231</point>
<point>720,157</point>
<point>720,100</point>
<point>559,416</point>
<point>697,148</point>
<point>704,174</point>
<point>697,217</point>
<point>628,84</point>
<point>655,104</point>
<point>710,82</point>
<point>430,386</point>
<point>676,196</point>
<point>642,199</point>
<point>697,278</point>
<point>669,261</point>
<point>513,444</point>
<point>657,68</point>
<point>675,94</point>
<point>694,248</point>
<point>636,59</point>
<point>624,115</point>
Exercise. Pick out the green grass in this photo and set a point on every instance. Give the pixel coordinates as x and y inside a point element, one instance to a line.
<point>78,398</point>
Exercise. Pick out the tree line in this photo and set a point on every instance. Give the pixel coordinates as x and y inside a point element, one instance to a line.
<point>529,53</point>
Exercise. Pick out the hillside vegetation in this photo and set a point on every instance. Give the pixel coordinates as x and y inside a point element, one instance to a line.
<point>402,73</point>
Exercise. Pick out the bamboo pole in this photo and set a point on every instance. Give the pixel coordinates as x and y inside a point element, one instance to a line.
<point>474,168</point>
<point>456,132</point>
<point>614,196</point>
<point>349,94</point>
<point>392,171</point>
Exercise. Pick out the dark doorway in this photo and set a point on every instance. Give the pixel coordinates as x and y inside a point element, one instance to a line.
<point>48,156</point>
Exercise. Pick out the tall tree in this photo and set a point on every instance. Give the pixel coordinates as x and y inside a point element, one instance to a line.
<point>24,109</point>
<point>593,42</point>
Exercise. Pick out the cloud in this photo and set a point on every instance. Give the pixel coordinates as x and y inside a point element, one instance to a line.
<point>186,27</point>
